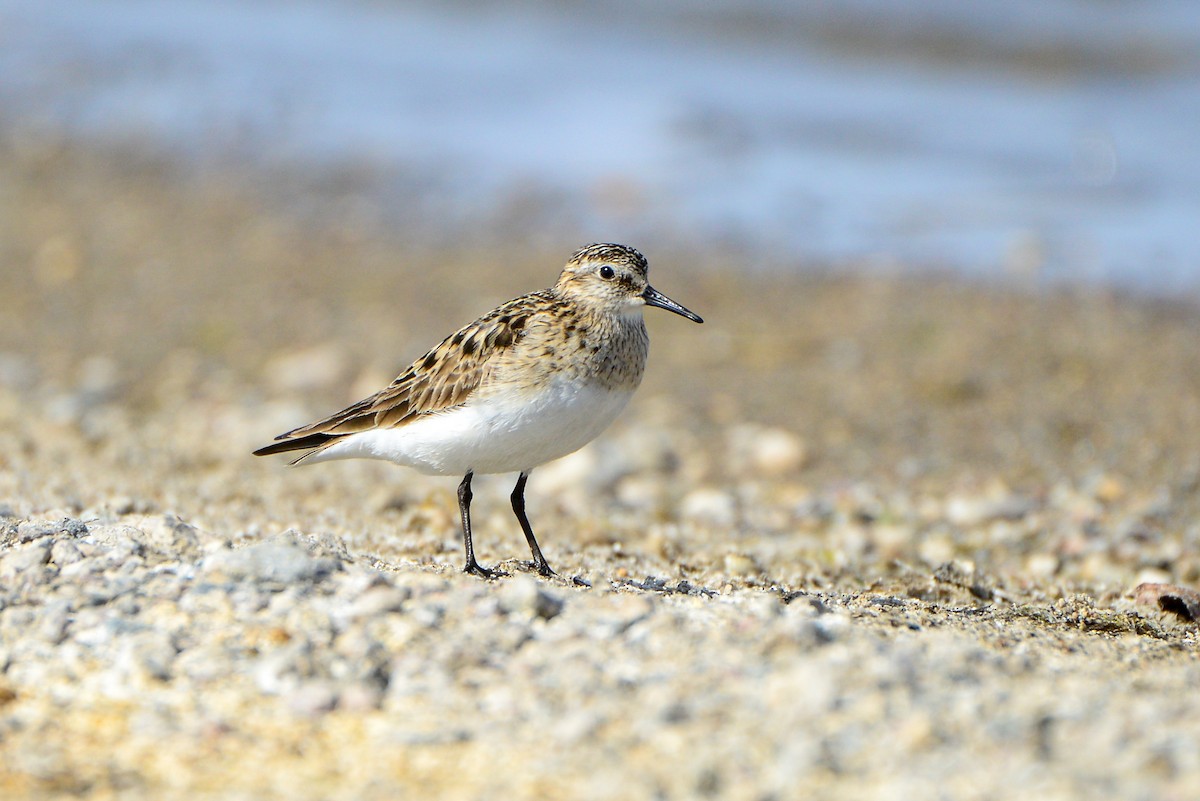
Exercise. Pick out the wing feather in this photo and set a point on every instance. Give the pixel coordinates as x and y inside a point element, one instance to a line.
<point>441,379</point>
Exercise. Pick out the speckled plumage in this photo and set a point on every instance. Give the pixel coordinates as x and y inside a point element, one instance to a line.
<point>531,381</point>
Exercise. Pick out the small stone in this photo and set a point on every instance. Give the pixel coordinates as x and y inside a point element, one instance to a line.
<point>622,611</point>
<point>742,565</point>
<point>892,539</point>
<point>313,698</point>
<point>283,670</point>
<point>170,536</point>
<point>65,552</point>
<point>269,562</point>
<point>360,697</point>
<point>1041,565</point>
<point>764,605</point>
<point>53,622</point>
<point>34,530</point>
<point>129,552</point>
<point>20,561</point>
<point>829,628</point>
<point>148,655</point>
<point>79,568</point>
<point>996,504</point>
<point>206,663</point>
<point>377,601</point>
<point>323,544</point>
<point>123,505</point>
<point>651,584</point>
<point>642,492</point>
<point>711,506</point>
<point>1184,602</point>
<point>776,451</point>
<point>1107,489</point>
<point>72,527</point>
<point>936,547</point>
<point>765,451</point>
<point>1152,575</point>
<point>119,537</point>
<point>962,574</point>
<point>525,595</point>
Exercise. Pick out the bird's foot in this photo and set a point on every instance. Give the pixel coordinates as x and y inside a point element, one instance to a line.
<point>475,569</point>
<point>542,568</point>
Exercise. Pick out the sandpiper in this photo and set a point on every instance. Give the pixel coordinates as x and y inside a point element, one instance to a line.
<point>529,382</point>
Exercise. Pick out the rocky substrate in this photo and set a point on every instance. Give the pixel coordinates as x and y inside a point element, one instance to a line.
<point>145,657</point>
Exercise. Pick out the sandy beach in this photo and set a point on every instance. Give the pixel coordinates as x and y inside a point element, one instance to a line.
<point>860,535</point>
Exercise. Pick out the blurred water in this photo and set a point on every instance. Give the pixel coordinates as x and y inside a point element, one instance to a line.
<point>1051,136</point>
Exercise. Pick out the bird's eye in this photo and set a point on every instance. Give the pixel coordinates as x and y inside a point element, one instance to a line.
<point>607,272</point>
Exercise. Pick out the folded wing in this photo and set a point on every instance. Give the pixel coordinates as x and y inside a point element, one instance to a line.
<point>443,378</point>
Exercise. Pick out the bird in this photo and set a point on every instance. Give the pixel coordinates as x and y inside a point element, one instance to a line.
<point>531,381</point>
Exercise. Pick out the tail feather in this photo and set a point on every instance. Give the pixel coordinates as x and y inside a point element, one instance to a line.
<point>298,444</point>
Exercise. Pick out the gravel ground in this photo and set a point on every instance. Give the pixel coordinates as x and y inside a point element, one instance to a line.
<point>856,537</point>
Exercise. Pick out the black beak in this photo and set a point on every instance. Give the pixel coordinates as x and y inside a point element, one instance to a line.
<point>655,298</point>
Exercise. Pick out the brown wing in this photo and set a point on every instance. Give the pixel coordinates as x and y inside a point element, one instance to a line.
<point>441,379</point>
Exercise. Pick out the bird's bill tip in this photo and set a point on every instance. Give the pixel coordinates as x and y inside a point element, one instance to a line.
<point>655,298</point>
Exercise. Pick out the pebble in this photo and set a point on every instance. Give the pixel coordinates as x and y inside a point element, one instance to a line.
<point>1041,565</point>
<point>973,510</point>
<point>829,628</point>
<point>741,565</point>
<point>313,698</point>
<point>169,536</point>
<point>274,562</point>
<point>29,531</point>
<point>1107,488</point>
<point>360,698</point>
<point>377,601</point>
<point>19,562</point>
<point>764,451</point>
<point>525,595</point>
<point>65,552</point>
<point>147,656</point>
<point>712,506</point>
<point>282,669</point>
<point>55,618</point>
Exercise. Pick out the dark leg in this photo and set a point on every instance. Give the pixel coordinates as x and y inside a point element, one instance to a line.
<point>464,506</point>
<point>518,504</point>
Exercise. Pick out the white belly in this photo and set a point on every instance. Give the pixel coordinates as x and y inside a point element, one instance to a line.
<point>493,435</point>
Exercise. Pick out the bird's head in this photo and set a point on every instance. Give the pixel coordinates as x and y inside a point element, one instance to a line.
<point>614,279</point>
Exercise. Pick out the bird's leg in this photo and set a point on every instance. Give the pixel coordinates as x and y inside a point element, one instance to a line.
<point>464,506</point>
<point>518,505</point>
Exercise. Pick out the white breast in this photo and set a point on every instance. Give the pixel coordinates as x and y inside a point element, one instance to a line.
<point>504,433</point>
